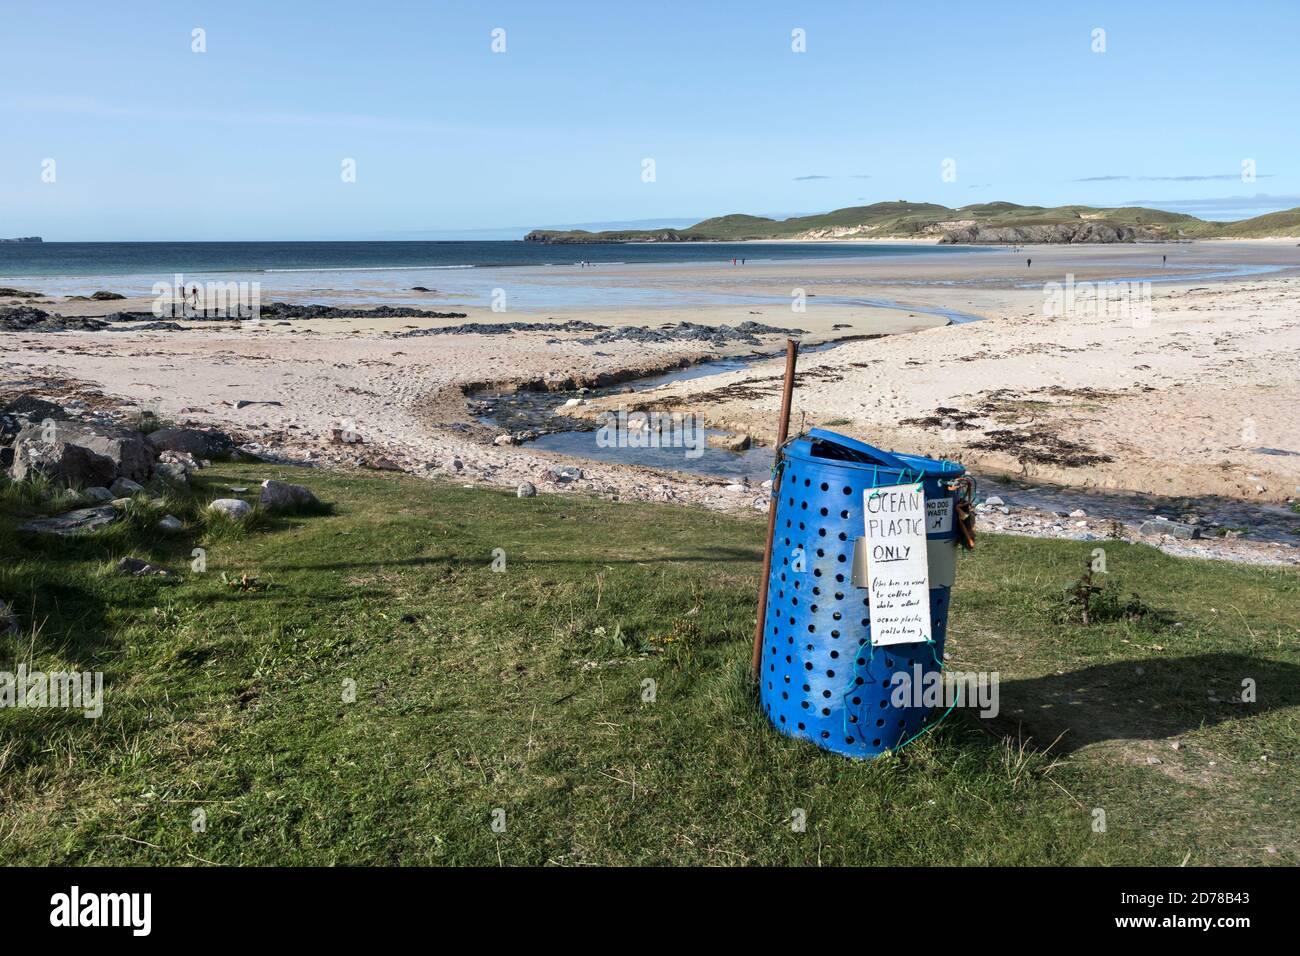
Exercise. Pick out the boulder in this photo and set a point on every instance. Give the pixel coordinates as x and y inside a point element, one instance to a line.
<point>72,523</point>
<point>98,494</point>
<point>173,472</point>
<point>277,495</point>
<point>526,489</point>
<point>127,451</point>
<point>730,442</point>
<point>34,409</point>
<point>170,524</point>
<point>125,488</point>
<point>60,459</point>
<point>231,508</point>
<point>1176,529</point>
<point>197,442</point>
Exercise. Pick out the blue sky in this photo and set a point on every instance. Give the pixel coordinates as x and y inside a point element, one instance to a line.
<point>246,141</point>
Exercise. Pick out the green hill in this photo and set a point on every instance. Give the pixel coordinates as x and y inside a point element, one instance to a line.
<point>994,222</point>
<point>1285,223</point>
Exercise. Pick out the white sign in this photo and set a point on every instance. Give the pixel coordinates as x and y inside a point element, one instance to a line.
<point>938,515</point>
<point>898,567</point>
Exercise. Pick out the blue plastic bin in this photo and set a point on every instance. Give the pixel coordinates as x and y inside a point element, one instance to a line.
<point>820,678</point>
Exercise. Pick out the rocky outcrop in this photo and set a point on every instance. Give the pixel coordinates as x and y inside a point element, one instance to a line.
<point>1056,233</point>
<point>578,237</point>
<point>26,318</point>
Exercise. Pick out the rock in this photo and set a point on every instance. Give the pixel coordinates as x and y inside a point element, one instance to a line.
<point>72,523</point>
<point>1078,513</point>
<point>730,442</point>
<point>128,452</point>
<point>504,440</point>
<point>1174,528</point>
<point>245,402</point>
<point>526,489</point>
<point>574,403</point>
<point>170,524</point>
<point>125,488</point>
<point>26,318</point>
<point>99,494</point>
<point>106,296</point>
<point>172,471</point>
<point>34,409</point>
<point>344,436</point>
<point>383,464</point>
<point>195,442</point>
<point>993,501</point>
<point>278,495</point>
<point>231,508</point>
<point>60,459</point>
<point>557,475</point>
<point>141,569</point>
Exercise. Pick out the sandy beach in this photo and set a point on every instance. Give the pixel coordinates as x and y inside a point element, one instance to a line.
<point>1194,397</point>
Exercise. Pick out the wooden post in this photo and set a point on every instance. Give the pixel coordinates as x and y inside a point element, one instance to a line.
<point>791,353</point>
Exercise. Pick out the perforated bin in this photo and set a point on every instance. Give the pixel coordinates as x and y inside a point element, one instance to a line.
<point>819,678</point>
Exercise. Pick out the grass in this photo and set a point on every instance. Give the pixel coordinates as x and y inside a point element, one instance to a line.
<point>361,687</point>
<point>902,219</point>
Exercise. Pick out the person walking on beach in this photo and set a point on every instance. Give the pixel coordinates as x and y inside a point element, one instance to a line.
<point>1164,260</point>
<point>1028,263</point>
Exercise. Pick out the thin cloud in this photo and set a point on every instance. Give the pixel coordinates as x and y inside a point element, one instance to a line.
<point>804,179</point>
<point>1223,207</point>
<point>1220,177</point>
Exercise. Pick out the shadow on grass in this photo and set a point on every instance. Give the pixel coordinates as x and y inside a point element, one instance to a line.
<point>748,556</point>
<point>65,612</point>
<point>1142,700</point>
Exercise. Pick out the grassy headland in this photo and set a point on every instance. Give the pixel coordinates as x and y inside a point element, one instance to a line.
<point>980,222</point>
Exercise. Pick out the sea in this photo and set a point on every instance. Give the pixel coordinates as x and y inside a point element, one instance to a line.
<point>469,272</point>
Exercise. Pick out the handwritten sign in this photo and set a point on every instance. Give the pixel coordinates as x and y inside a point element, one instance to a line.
<point>898,570</point>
